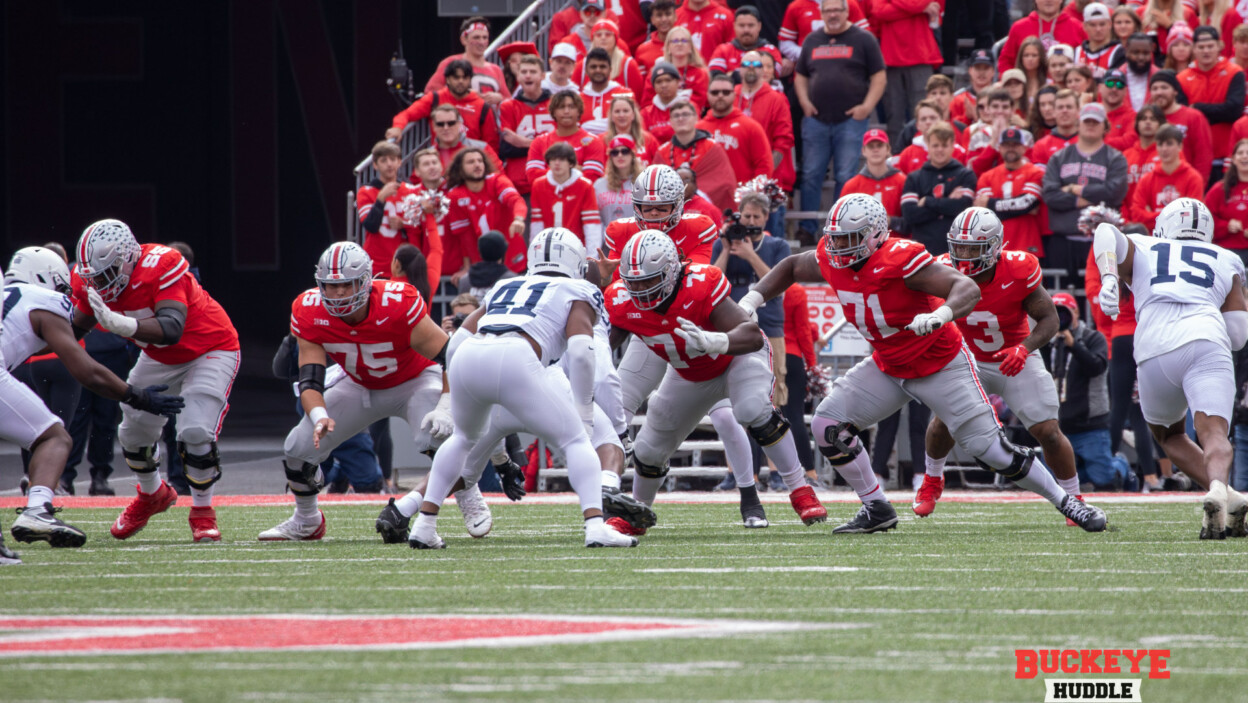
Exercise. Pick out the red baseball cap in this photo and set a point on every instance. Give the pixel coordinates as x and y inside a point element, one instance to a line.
<point>1066,300</point>
<point>874,135</point>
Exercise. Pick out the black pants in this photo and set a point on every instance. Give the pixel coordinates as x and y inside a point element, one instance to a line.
<point>973,18</point>
<point>794,410</point>
<point>54,385</point>
<point>886,437</point>
<point>383,446</point>
<point>94,427</point>
<point>1122,373</point>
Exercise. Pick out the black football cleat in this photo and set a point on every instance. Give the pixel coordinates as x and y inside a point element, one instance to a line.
<point>616,503</point>
<point>1089,517</point>
<point>392,525</point>
<point>873,516</point>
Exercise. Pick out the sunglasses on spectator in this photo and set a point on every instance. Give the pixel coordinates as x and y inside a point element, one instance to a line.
<point>719,92</point>
<point>445,124</point>
<point>1115,83</point>
<point>752,64</point>
<point>620,152</point>
<point>679,41</point>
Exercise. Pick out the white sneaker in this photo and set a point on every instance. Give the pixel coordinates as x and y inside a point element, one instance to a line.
<point>1214,524</point>
<point>293,530</point>
<point>477,517</point>
<point>1236,512</point>
<point>602,536</point>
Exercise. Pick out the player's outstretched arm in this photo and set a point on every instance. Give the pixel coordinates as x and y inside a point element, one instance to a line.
<point>959,292</point>
<point>1115,256</point>
<point>737,334</point>
<point>312,362</point>
<point>797,268</point>
<point>1235,313</point>
<point>1039,307</point>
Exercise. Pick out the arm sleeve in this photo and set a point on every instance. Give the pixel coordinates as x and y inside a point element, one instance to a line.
<point>511,198</point>
<point>595,157</point>
<point>376,214</point>
<point>1201,154</point>
<point>535,168</point>
<point>1009,53</point>
<point>1230,109</point>
<point>910,210</point>
<point>1110,246</point>
<point>506,149</point>
<point>581,362</point>
<point>416,111</point>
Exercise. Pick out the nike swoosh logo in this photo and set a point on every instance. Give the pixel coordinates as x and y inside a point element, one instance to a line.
<point>880,268</point>
<point>480,523</point>
<point>1006,285</point>
<point>688,304</point>
<point>383,321</point>
<point>121,525</point>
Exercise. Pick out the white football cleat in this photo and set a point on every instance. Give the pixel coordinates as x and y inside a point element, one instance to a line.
<point>293,530</point>
<point>477,517</point>
<point>602,536</point>
<point>1236,512</point>
<point>1214,524</point>
<point>425,539</point>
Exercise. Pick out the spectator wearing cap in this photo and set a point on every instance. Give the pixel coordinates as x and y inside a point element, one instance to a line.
<point>567,109</point>
<point>802,17</point>
<point>1100,51</point>
<point>1178,47</point>
<point>624,69</point>
<point>770,108</point>
<point>614,191</point>
<point>840,79</point>
<point>510,55</point>
<point>624,117</point>
<point>581,35</point>
<point>565,20</point>
<point>1140,69</point>
<point>524,117</point>
<point>1087,172</point>
<point>690,67</point>
<point>1170,180</point>
<point>878,179</point>
<point>1118,112</point>
<point>1012,190</point>
<point>562,64</point>
<point>1215,88</point>
<point>1047,22</point>
<point>696,148</point>
<point>1066,115</point>
<point>1157,17</point>
<point>477,115</point>
<point>938,192</point>
<point>662,18</point>
<point>709,24</point>
<point>747,26</point>
<point>1165,91</point>
<point>1059,60</point>
<point>910,51</point>
<point>486,271</point>
<point>742,138</point>
<point>1014,81</point>
<point>488,80</point>
<point>981,70</point>
<point>665,80</point>
<point>1228,202</point>
<point>1142,155</point>
<point>598,91</point>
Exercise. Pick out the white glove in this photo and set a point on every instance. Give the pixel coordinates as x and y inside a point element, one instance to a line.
<point>1108,297</point>
<point>698,341</point>
<point>925,323</point>
<point>750,302</point>
<point>438,423</point>
<point>114,322</point>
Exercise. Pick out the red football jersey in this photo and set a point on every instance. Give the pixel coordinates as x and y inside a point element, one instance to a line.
<point>590,154</point>
<point>381,245</point>
<point>572,205</point>
<point>710,26</point>
<point>877,302</point>
<point>802,17</point>
<point>377,353</point>
<point>694,236</point>
<point>471,215</point>
<point>1021,232</point>
<point>528,120</point>
<point>698,291</point>
<point>162,274</point>
<point>999,320</point>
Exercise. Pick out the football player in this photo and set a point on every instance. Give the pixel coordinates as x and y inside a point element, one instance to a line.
<point>37,315</point>
<point>1191,315</point>
<point>682,313</point>
<point>146,293</point>
<point>902,305</point>
<point>1004,348</point>
<point>502,359</point>
<point>390,352</point>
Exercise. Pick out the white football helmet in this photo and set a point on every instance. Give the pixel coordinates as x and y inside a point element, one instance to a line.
<point>650,267</point>
<point>40,267</point>
<point>659,185</point>
<point>1185,218</point>
<point>107,254</point>
<point>863,221</point>
<point>557,250</point>
<point>975,240</point>
<point>345,262</point>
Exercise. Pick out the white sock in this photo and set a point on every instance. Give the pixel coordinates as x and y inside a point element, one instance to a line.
<point>38,496</point>
<point>1038,480</point>
<point>1070,485</point>
<point>736,442</point>
<point>858,474</point>
<point>305,509</point>
<point>935,467</point>
<point>409,504</point>
<point>149,481</point>
<point>610,479</point>
<point>783,455</point>
<point>201,498</point>
<point>424,522</point>
<point>645,489</point>
<point>592,522</point>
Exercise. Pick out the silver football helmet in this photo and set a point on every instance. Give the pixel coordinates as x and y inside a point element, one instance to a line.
<point>39,267</point>
<point>650,267</point>
<point>345,262</point>
<point>975,240</point>
<point>557,250</point>
<point>1185,218</point>
<point>863,223</point>
<point>659,185</point>
<point>107,255</point>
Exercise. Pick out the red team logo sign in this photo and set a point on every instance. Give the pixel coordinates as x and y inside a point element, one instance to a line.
<point>1030,663</point>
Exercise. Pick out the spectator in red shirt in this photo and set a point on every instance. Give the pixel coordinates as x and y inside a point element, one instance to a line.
<point>981,70</point>
<point>1215,88</point>
<point>1142,156</point>
<point>799,354</point>
<point>481,200</point>
<point>567,108</point>
<point>654,112</point>
<point>427,176</point>
<point>697,149</point>
<point>597,93</point>
<point>904,28</point>
<point>478,116</point>
<point>1239,40</point>
<point>662,18</point>
<point>1046,21</point>
<point>995,108</point>
<point>1164,92</point>
<point>564,198</point>
<point>622,67</point>
<point>690,67</point>
<point>1066,113</point>
<point>564,20</point>
<point>1101,51</point>
<point>1012,190</point>
<point>695,202</point>
<point>747,26</point>
<point>580,35</point>
<point>1170,180</point>
<point>488,80</point>
<point>878,179</point>
<point>380,207</point>
<point>742,138</point>
<point>1157,16</point>
<point>771,110</point>
<point>1228,201</point>
<point>523,118</point>
<point>510,55</point>
<point>1121,134</point>
<point>709,24</point>
<point>449,137</point>
<point>939,93</point>
<point>624,117</point>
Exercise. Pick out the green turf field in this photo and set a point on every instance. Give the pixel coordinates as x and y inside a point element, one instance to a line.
<point>930,612</point>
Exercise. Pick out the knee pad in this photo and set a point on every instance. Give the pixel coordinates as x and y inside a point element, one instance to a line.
<point>647,471</point>
<point>1021,459</point>
<point>305,475</point>
<point>192,434</point>
<point>840,443</point>
<point>772,431</point>
<point>142,461</point>
<point>203,462</point>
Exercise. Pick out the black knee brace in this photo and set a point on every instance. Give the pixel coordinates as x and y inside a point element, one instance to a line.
<point>771,431</point>
<point>308,475</point>
<point>647,471</point>
<point>204,462</point>
<point>1019,466</point>
<point>840,448</point>
<point>142,461</point>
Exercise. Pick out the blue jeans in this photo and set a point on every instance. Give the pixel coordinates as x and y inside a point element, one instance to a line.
<point>1239,471</point>
<point>775,222</point>
<point>840,144</point>
<point>1093,461</point>
<point>354,462</point>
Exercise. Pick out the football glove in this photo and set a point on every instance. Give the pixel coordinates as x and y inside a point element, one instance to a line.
<point>114,322</point>
<point>699,342</point>
<point>1108,297</point>
<point>1012,360</point>
<point>151,400</point>
<point>925,323</point>
<point>438,423</point>
<point>512,477</point>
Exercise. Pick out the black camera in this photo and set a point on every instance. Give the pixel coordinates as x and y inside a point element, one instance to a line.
<point>458,320</point>
<point>736,231</point>
<point>1063,319</point>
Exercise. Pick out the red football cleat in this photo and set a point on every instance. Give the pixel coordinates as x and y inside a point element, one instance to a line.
<point>928,494</point>
<point>807,505</point>
<point>621,525</point>
<point>204,524</point>
<point>141,509</point>
<point>1072,523</point>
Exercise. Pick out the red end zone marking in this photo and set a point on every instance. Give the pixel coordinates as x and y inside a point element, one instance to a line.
<point>128,635</point>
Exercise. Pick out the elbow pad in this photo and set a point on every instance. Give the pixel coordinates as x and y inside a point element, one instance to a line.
<point>172,321</point>
<point>581,371</point>
<point>456,339</point>
<point>312,378</point>
<point>1236,328</point>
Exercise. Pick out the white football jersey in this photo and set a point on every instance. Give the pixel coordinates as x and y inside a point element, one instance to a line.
<point>18,340</point>
<point>538,306</point>
<point>1179,287</point>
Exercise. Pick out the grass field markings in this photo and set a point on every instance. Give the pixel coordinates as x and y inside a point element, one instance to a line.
<point>747,569</point>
